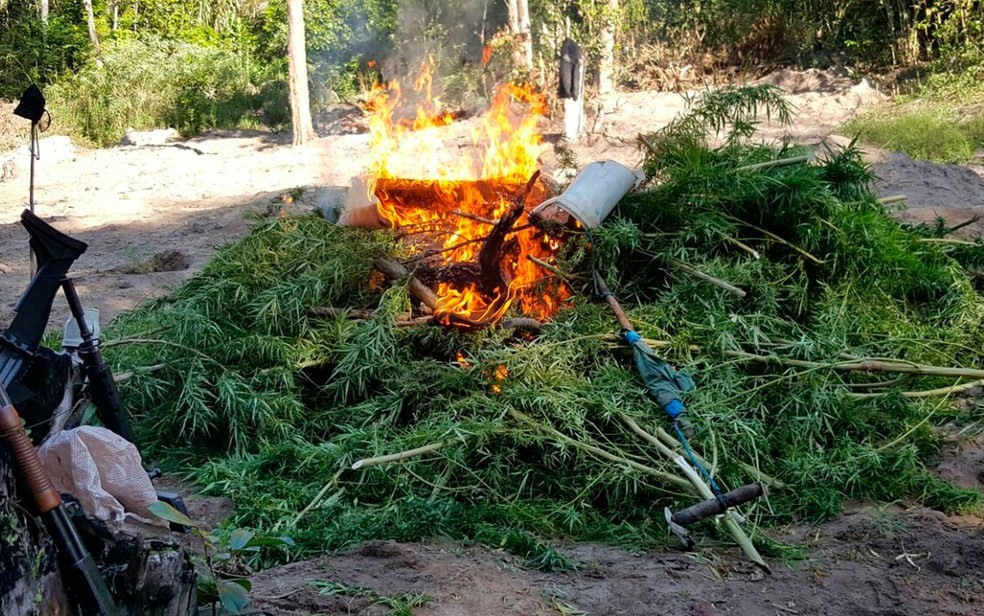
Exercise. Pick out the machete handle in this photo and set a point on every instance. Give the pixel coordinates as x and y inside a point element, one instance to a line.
<point>44,494</point>
<point>714,506</point>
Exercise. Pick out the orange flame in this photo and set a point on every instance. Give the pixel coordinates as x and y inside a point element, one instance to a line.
<point>426,180</point>
<point>499,376</point>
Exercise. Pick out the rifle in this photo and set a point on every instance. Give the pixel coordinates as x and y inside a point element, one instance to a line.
<point>80,570</point>
<point>20,342</point>
<point>56,252</point>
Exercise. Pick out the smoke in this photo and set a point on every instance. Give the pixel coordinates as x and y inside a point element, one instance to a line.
<point>358,37</point>
<point>449,32</point>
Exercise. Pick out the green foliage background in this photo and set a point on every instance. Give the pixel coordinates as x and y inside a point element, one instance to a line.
<point>247,40</point>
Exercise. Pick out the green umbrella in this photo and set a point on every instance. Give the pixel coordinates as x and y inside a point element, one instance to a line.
<point>664,383</point>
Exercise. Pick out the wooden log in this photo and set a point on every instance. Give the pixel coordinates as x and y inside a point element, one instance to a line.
<point>434,195</point>
<point>419,290</point>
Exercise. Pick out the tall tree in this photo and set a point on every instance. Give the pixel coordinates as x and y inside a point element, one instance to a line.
<point>44,12</point>
<point>91,18</point>
<point>519,28</point>
<point>606,63</point>
<point>300,97</point>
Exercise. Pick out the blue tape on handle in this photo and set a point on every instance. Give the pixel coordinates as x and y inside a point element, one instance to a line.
<point>631,336</point>
<point>674,408</point>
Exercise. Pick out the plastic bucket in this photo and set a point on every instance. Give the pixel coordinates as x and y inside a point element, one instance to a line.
<point>361,208</point>
<point>593,194</point>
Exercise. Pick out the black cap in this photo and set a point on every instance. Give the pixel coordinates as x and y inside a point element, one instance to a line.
<point>31,105</point>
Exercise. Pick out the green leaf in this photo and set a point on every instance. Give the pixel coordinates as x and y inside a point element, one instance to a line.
<point>232,596</point>
<point>240,538</point>
<point>207,590</point>
<point>168,513</point>
<point>244,582</point>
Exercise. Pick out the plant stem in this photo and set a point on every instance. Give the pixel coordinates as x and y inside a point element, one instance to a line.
<point>776,238</point>
<point>947,240</point>
<point>550,268</point>
<point>927,393</point>
<point>119,378</point>
<point>396,457</point>
<point>717,282</point>
<point>892,199</point>
<point>768,480</point>
<point>963,224</point>
<point>736,531</point>
<point>780,162</point>
<point>865,365</point>
<point>317,498</point>
<point>741,245</point>
<point>601,453</point>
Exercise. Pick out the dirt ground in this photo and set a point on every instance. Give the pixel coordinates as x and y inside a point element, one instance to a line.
<point>154,214</point>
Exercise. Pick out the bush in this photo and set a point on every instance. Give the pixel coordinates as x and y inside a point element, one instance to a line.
<point>151,83</point>
<point>32,53</point>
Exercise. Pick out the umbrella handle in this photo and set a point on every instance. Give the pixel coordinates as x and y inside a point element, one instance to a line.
<point>684,423</point>
<point>605,292</point>
<point>717,506</point>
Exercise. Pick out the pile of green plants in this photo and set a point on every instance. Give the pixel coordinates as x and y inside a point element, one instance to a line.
<point>814,374</point>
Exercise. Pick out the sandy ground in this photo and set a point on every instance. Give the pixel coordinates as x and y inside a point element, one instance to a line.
<point>136,205</point>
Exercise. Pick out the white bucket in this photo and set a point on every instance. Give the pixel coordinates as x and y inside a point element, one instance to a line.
<point>361,208</point>
<point>593,194</point>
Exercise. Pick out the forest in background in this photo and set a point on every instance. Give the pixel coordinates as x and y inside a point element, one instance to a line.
<point>109,65</point>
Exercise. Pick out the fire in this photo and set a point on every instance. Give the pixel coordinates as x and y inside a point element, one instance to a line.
<point>499,376</point>
<point>449,197</point>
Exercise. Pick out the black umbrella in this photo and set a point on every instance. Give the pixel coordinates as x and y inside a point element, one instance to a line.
<point>31,107</point>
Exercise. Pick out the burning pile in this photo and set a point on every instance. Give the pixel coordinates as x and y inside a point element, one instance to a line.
<point>464,211</point>
<point>342,425</point>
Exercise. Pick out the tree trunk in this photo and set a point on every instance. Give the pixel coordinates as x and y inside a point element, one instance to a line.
<point>519,27</point>
<point>91,18</point>
<point>44,12</point>
<point>606,63</point>
<point>145,568</point>
<point>116,15</point>
<point>300,98</point>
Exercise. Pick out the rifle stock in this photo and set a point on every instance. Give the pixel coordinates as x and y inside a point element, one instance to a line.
<point>56,252</point>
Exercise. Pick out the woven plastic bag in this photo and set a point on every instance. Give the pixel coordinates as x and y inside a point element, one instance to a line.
<point>103,471</point>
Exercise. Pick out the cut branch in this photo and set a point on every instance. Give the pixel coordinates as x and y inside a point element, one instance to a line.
<point>396,457</point>
<point>717,282</point>
<point>866,365</point>
<point>419,290</point>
